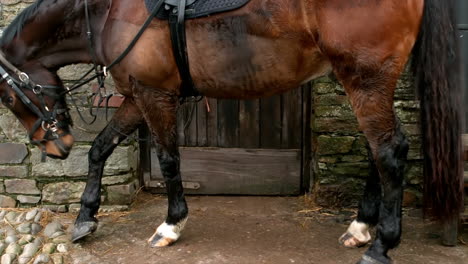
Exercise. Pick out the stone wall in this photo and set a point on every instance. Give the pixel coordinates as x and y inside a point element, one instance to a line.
<point>56,184</point>
<point>341,165</point>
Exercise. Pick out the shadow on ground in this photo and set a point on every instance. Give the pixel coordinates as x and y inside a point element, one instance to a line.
<point>247,230</point>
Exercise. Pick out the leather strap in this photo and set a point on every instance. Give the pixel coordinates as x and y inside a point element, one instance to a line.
<point>179,48</point>
<point>177,2</point>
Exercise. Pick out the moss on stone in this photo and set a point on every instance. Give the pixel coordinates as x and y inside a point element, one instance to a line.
<point>327,145</point>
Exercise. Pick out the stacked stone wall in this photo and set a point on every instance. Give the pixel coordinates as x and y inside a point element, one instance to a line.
<point>341,164</point>
<point>58,184</point>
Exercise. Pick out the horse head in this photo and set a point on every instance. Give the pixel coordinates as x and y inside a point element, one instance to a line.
<point>35,95</point>
<point>40,40</point>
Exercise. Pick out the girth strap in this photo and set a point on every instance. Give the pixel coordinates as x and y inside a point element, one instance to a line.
<point>179,48</point>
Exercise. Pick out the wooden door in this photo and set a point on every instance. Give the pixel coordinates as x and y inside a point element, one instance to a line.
<point>462,9</point>
<point>251,147</point>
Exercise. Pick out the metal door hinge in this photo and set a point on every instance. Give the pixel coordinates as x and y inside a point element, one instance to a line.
<point>162,185</point>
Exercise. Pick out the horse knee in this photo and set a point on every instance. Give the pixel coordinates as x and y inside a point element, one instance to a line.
<point>169,164</point>
<point>94,155</point>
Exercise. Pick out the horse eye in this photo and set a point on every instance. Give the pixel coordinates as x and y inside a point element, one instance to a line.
<point>9,100</point>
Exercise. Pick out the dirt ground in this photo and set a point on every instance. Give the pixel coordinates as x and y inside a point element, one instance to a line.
<point>247,230</point>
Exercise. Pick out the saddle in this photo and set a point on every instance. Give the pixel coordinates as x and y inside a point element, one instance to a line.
<point>176,12</point>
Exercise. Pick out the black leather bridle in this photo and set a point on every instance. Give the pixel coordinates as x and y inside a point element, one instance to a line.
<point>47,118</point>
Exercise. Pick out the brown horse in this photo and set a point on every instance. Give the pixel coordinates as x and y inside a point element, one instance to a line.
<point>264,48</point>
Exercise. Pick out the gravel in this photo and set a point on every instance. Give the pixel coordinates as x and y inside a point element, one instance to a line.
<point>23,240</point>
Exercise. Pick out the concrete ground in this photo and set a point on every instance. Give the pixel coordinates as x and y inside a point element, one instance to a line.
<point>247,230</point>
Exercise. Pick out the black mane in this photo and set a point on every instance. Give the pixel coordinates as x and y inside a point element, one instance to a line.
<point>17,25</point>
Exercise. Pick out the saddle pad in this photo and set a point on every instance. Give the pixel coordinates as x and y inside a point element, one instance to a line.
<point>199,8</point>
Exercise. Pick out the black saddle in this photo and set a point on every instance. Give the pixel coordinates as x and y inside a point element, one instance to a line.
<point>196,8</point>
<point>176,12</point>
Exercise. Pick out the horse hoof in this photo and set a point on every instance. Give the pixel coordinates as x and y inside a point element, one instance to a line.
<point>83,229</point>
<point>350,241</point>
<point>370,260</point>
<point>158,241</point>
<point>166,234</point>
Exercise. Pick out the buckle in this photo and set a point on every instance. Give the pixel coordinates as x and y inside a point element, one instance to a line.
<point>23,77</point>
<point>37,89</point>
<point>49,126</point>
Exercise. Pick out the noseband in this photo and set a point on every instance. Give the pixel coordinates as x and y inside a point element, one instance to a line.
<point>47,119</point>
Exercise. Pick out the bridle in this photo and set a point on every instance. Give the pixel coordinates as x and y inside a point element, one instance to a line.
<point>47,118</point>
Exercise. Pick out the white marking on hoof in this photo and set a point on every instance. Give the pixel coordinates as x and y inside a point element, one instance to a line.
<point>357,235</point>
<point>167,234</point>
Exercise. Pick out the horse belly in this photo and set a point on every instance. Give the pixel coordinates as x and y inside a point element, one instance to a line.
<point>243,56</point>
<point>261,72</point>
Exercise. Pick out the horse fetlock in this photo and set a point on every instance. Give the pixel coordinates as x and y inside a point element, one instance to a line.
<point>167,234</point>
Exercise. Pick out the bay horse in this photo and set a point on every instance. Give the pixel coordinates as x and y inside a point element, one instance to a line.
<point>263,48</point>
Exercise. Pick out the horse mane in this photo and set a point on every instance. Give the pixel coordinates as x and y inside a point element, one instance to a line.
<point>16,26</point>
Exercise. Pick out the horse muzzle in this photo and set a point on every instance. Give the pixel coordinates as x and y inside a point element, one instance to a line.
<point>59,148</point>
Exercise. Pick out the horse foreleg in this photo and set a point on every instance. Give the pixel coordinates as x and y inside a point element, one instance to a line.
<point>358,234</point>
<point>125,121</point>
<point>160,112</point>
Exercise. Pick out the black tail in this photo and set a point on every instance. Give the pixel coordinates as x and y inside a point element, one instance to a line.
<point>437,68</point>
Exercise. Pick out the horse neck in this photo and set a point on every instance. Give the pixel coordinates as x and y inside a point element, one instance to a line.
<point>55,35</point>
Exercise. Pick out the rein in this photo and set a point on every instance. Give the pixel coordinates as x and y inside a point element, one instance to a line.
<point>101,72</point>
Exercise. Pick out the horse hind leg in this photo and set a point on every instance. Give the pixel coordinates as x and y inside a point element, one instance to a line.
<point>371,93</point>
<point>358,234</point>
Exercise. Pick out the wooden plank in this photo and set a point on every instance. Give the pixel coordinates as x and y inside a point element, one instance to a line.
<point>465,145</point>
<point>191,125</point>
<point>212,123</point>
<point>239,171</point>
<point>450,233</point>
<point>291,119</point>
<point>308,179</point>
<point>465,179</point>
<point>144,169</point>
<point>249,128</point>
<point>228,123</point>
<point>464,216</point>
<point>202,112</point>
<point>270,122</point>
<point>181,124</point>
